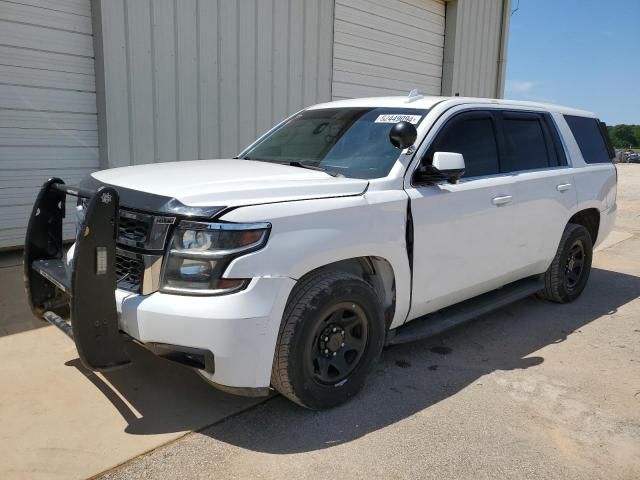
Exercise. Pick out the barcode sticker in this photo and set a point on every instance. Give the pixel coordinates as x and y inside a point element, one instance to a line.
<point>398,117</point>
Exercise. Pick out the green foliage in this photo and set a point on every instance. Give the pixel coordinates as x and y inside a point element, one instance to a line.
<point>624,136</point>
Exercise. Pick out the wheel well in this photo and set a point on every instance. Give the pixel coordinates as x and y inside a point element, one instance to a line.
<point>376,271</point>
<point>589,219</point>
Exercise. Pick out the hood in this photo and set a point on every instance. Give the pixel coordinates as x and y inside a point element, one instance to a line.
<point>230,182</point>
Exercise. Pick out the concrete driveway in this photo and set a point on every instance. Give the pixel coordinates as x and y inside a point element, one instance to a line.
<point>535,390</point>
<point>59,420</point>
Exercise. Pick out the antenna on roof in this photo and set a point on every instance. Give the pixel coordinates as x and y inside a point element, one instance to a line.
<point>413,96</point>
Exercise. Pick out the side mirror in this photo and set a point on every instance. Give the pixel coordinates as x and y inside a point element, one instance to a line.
<point>403,134</point>
<point>444,166</point>
<point>449,163</point>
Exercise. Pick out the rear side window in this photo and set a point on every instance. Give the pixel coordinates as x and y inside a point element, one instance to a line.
<point>472,135</point>
<point>526,144</point>
<point>589,136</point>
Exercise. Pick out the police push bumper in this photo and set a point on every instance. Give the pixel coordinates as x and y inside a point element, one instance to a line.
<point>78,297</point>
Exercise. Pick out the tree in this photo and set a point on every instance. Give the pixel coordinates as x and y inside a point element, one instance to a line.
<point>624,136</point>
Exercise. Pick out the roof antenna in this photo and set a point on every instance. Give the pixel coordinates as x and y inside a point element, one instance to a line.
<point>413,96</point>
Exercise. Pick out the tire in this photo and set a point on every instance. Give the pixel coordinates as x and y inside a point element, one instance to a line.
<point>563,284</point>
<point>329,316</point>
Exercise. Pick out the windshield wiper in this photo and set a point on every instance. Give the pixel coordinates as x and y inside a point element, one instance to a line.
<point>294,163</point>
<point>310,167</point>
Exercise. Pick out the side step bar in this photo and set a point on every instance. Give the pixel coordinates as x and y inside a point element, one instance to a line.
<point>86,291</point>
<point>450,317</point>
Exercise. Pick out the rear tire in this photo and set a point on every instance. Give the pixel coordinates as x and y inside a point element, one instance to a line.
<point>568,274</point>
<point>332,332</point>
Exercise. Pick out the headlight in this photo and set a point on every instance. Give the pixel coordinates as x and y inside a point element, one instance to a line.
<point>200,252</point>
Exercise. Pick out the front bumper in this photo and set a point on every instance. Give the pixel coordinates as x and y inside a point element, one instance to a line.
<point>231,337</point>
<point>239,329</point>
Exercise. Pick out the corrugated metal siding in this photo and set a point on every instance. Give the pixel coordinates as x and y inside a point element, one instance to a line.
<point>387,47</point>
<point>473,48</point>
<point>187,79</point>
<point>48,124</point>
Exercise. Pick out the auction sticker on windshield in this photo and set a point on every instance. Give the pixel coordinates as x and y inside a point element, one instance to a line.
<point>398,117</point>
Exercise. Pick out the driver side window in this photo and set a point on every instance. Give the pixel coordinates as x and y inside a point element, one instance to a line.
<point>472,134</point>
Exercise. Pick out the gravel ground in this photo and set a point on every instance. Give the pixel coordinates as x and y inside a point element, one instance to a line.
<point>535,390</point>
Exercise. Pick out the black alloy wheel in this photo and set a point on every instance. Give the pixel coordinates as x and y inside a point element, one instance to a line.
<point>338,344</point>
<point>569,271</point>
<point>331,334</point>
<point>574,266</point>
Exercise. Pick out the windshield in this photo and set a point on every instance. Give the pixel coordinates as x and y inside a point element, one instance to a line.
<point>353,142</point>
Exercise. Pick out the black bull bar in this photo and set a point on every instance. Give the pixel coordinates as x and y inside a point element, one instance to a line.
<point>84,292</point>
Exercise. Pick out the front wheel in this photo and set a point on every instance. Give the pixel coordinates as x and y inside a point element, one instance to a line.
<point>332,332</point>
<point>568,274</point>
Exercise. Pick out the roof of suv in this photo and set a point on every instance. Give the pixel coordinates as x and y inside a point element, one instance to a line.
<point>428,102</point>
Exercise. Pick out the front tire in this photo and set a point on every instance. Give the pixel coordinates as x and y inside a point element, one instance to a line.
<point>332,332</point>
<point>568,274</point>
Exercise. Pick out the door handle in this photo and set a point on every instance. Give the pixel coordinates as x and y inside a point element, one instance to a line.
<point>563,187</point>
<point>499,201</point>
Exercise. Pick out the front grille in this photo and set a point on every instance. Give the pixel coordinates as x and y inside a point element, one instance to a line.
<point>139,271</point>
<point>129,271</point>
<point>143,230</point>
<point>133,229</point>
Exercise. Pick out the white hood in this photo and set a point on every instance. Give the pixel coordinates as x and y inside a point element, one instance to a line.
<point>230,182</point>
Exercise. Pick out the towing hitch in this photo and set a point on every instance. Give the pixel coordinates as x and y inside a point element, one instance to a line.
<point>82,293</point>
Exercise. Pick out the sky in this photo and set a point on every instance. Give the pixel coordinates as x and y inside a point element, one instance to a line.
<point>579,53</point>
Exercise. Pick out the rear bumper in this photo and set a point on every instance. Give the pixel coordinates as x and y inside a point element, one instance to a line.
<point>240,329</point>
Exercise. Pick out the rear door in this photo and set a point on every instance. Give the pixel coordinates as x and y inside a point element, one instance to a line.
<point>544,190</point>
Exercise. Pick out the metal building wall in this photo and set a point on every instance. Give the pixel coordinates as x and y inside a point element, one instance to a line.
<point>189,79</point>
<point>475,47</point>
<point>48,124</point>
<point>387,47</point>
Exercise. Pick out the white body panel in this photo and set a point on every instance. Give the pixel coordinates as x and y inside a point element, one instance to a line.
<point>240,329</point>
<point>458,235</point>
<point>230,182</point>
<point>596,185</point>
<point>467,238</point>
<point>544,201</point>
<point>372,225</point>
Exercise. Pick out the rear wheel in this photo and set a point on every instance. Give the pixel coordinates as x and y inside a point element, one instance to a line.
<point>568,274</point>
<point>332,332</point>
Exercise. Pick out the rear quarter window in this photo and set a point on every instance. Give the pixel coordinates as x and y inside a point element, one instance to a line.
<point>588,134</point>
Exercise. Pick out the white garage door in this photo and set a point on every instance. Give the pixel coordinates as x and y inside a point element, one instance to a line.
<point>387,47</point>
<point>48,124</point>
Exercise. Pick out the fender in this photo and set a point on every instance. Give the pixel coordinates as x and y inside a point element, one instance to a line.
<point>310,234</point>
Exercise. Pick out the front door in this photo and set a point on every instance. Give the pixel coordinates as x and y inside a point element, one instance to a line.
<point>463,242</point>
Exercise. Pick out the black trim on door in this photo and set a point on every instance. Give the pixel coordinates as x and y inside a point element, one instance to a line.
<point>555,152</point>
<point>552,137</point>
<point>450,123</point>
<point>552,128</point>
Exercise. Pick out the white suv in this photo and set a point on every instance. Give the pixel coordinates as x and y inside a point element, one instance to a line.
<point>291,265</point>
